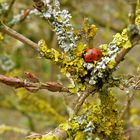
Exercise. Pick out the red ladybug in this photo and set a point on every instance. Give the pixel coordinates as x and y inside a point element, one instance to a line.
<point>93,54</point>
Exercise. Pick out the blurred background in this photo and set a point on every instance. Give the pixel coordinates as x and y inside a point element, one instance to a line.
<point>44,110</point>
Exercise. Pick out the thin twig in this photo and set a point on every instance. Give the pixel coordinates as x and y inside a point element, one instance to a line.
<point>30,120</point>
<point>133,38</point>
<point>127,105</point>
<point>53,67</point>
<point>59,133</point>
<point>82,98</point>
<point>133,82</point>
<point>32,86</point>
<point>9,8</point>
<point>20,17</point>
<point>25,14</point>
<point>80,102</point>
<point>132,15</point>
<point>5,29</point>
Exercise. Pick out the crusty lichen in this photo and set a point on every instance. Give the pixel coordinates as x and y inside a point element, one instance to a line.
<point>72,61</point>
<point>89,31</point>
<point>52,54</point>
<point>74,67</point>
<point>60,20</point>
<point>108,63</point>
<point>97,120</point>
<point>122,40</point>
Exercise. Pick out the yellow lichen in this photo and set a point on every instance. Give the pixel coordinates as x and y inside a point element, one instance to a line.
<point>127,44</point>
<point>79,136</point>
<point>78,87</point>
<point>96,120</point>
<point>52,54</point>
<point>112,64</point>
<point>104,50</point>
<point>80,50</point>
<point>118,39</point>
<point>90,30</point>
<point>49,137</point>
<point>137,20</point>
<point>43,46</point>
<point>1,37</point>
<point>122,40</point>
<point>74,67</point>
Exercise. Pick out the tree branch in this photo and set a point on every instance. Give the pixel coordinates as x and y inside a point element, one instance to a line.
<point>5,29</point>
<point>9,8</point>
<point>134,38</point>
<point>127,105</point>
<point>82,98</point>
<point>32,86</point>
<point>58,133</point>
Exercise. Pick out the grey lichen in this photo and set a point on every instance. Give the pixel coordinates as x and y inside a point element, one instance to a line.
<point>60,20</point>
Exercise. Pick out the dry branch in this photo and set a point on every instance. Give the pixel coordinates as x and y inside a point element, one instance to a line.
<point>32,86</point>
<point>82,98</point>
<point>59,133</point>
<point>6,30</point>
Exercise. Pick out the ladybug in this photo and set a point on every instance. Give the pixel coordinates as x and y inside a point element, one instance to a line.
<point>92,54</point>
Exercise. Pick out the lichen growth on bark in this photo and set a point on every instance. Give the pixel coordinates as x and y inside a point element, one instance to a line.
<point>72,61</point>
<point>97,120</point>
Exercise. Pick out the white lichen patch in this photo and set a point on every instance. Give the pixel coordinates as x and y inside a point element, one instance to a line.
<point>60,20</point>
